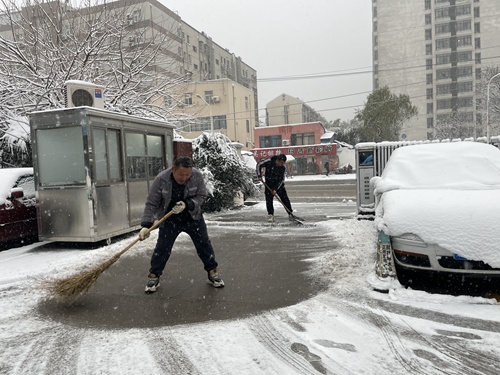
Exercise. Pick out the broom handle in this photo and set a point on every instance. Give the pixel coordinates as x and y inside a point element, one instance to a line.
<point>155,225</point>
<point>278,198</point>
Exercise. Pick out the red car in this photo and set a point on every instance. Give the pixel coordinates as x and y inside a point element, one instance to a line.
<point>18,223</point>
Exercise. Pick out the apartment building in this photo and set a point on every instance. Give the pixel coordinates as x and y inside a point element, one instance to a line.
<point>219,105</point>
<point>286,109</point>
<point>441,53</point>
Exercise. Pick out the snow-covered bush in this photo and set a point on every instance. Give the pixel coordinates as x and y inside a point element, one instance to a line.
<point>227,173</point>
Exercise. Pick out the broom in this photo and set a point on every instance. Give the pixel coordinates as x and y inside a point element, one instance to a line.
<point>73,286</point>
<point>297,219</point>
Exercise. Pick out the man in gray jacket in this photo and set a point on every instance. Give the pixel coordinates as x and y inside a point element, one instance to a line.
<point>176,189</point>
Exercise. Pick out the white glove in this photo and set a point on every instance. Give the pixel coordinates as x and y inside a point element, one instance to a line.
<point>179,207</point>
<point>143,234</point>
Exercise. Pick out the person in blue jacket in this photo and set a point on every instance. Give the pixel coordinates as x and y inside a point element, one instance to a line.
<point>275,172</point>
<point>179,189</point>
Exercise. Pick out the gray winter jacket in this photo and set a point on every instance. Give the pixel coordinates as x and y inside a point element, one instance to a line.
<point>160,195</point>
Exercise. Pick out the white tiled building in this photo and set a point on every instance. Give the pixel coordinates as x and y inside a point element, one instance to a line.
<point>436,51</point>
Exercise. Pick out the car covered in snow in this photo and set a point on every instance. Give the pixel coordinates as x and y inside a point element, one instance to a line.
<point>439,204</point>
<point>18,222</point>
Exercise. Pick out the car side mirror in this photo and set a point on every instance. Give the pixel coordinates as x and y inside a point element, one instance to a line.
<point>16,193</point>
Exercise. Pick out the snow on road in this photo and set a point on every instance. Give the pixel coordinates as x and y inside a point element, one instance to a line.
<point>346,329</point>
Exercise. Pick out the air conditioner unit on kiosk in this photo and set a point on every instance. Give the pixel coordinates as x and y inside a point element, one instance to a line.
<point>81,93</point>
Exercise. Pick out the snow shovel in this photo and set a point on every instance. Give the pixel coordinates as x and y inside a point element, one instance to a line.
<point>76,285</point>
<point>297,219</point>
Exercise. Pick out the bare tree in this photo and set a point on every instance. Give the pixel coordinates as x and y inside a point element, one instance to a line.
<point>455,125</point>
<point>43,44</point>
<point>493,114</point>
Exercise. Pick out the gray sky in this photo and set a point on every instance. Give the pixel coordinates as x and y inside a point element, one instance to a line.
<point>283,38</point>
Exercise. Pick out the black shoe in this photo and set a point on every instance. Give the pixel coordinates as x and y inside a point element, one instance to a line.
<point>153,283</point>
<point>215,279</point>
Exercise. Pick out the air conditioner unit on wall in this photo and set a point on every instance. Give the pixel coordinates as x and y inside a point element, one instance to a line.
<point>285,142</point>
<point>80,93</point>
<point>215,99</point>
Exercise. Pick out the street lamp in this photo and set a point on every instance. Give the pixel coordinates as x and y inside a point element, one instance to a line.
<point>488,108</point>
<point>210,110</point>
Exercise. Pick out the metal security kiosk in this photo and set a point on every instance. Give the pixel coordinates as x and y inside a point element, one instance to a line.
<point>93,169</point>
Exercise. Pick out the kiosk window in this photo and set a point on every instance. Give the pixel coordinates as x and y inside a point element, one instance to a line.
<point>155,155</point>
<point>136,155</point>
<point>107,154</point>
<point>60,156</point>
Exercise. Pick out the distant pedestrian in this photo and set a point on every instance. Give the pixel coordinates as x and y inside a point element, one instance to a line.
<point>179,189</point>
<point>327,167</point>
<point>275,171</point>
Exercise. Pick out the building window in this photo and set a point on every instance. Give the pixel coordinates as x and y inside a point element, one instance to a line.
<point>208,96</point>
<point>465,40</point>
<point>443,89</point>
<point>465,56</point>
<point>443,74</point>
<point>428,19</point>
<point>463,25</point>
<point>248,126</point>
<point>443,28</point>
<point>428,64</point>
<point>465,86</point>
<point>476,12</point>
<point>443,104</point>
<point>428,34</point>
<point>428,49</point>
<point>463,10</point>
<point>427,4</point>
<point>443,59</point>
<point>188,99</point>
<point>477,43</point>
<point>477,28</point>
<point>442,13</point>
<point>301,139</point>
<point>429,79</point>
<point>429,108</point>
<point>442,43</point>
<point>478,58</point>
<point>464,71</point>
<point>270,141</point>
<point>429,93</point>
<point>430,122</point>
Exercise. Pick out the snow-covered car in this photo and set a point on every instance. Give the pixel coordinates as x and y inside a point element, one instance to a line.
<point>18,223</point>
<point>439,203</point>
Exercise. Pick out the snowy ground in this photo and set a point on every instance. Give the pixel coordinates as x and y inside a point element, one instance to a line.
<point>347,329</point>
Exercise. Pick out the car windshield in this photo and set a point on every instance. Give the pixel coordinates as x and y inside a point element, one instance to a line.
<point>456,165</point>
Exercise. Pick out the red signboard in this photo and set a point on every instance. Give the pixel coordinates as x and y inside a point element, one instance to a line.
<point>296,151</point>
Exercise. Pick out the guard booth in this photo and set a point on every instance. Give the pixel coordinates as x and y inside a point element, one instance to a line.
<point>93,169</point>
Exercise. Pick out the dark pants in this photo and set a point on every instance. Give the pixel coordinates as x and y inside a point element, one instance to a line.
<point>168,232</point>
<point>281,193</point>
